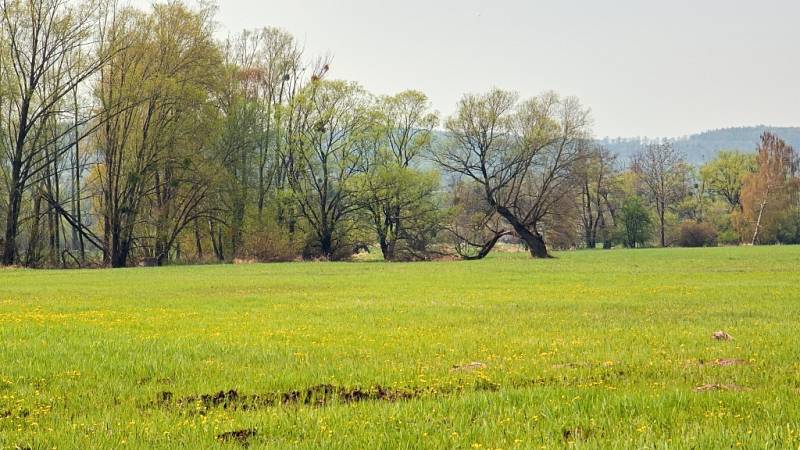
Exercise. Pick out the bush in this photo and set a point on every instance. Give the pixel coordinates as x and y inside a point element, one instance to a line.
<point>728,237</point>
<point>788,228</point>
<point>270,245</point>
<point>696,234</point>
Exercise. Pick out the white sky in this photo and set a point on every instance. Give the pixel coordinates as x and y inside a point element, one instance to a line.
<point>645,67</point>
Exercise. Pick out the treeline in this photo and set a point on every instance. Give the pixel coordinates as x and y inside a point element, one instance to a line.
<point>130,136</point>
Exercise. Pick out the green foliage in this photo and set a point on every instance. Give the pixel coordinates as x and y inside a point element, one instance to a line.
<point>788,227</point>
<point>635,223</point>
<point>725,175</point>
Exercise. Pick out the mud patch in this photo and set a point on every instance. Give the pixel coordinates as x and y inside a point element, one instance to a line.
<point>720,387</point>
<point>241,437</point>
<point>320,395</point>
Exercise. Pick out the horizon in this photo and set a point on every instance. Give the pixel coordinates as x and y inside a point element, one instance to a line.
<point>699,70</point>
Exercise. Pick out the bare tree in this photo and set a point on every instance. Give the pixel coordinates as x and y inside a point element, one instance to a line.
<point>50,52</point>
<point>521,154</point>
<point>663,174</point>
<point>596,174</point>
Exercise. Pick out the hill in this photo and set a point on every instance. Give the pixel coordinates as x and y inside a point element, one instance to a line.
<point>702,147</point>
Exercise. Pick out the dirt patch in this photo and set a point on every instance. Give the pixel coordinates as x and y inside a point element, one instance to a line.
<point>586,365</point>
<point>571,365</point>
<point>721,336</point>
<point>469,367</point>
<point>720,387</point>
<point>241,437</point>
<point>320,395</point>
<point>730,362</point>
<point>721,362</point>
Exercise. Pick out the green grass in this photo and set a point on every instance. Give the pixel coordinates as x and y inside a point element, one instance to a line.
<point>594,350</point>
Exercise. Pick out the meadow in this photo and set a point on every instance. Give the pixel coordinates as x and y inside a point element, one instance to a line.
<point>591,350</point>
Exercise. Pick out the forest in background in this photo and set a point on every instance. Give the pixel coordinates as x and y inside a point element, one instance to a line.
<point>136,137</point>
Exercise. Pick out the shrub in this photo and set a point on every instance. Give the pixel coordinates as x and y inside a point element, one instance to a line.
<point>270,245</point>
<point>696,234</point>
<point>728,237</point>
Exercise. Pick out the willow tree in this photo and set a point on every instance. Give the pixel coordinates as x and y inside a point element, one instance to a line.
<point>521,154</point>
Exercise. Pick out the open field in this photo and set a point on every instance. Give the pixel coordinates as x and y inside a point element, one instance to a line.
<point>594,349</point>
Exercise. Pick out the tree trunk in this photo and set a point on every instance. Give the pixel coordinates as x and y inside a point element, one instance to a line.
<point>32,255</point>
<point>533,239</point>
<point>198,242</point>
<point>12,224</point>
<point>77,238</point>
<point>386,249</point>
<point>758,221</point>
<point>662,223</point>
<point>486,249</point>
<point>326,245</point>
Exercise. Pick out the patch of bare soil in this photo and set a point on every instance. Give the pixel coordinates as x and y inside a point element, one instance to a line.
<point>320,395</point>
<point>720,387</point>
<point>730,362</point>
<point>469,367</point>
<point>241,437</point>
<point>724,362</point>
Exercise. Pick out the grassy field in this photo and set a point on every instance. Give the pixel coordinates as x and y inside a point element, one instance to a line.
<point>593,349</point>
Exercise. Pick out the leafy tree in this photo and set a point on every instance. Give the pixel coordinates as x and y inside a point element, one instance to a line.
<point>154,147</point>
<point>398,196</point>
<point>725,175</point>
<point>328,144</point>
<point>634,222</point>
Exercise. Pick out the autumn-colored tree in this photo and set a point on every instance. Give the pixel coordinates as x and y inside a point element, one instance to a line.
<point>769,190</point>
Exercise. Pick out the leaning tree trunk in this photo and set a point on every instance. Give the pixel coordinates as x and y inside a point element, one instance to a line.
<point>486,249</point>
<point>762,205</point>
<point>533,239</point>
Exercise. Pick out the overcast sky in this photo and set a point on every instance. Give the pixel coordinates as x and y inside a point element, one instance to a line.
<point>646,67</point>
